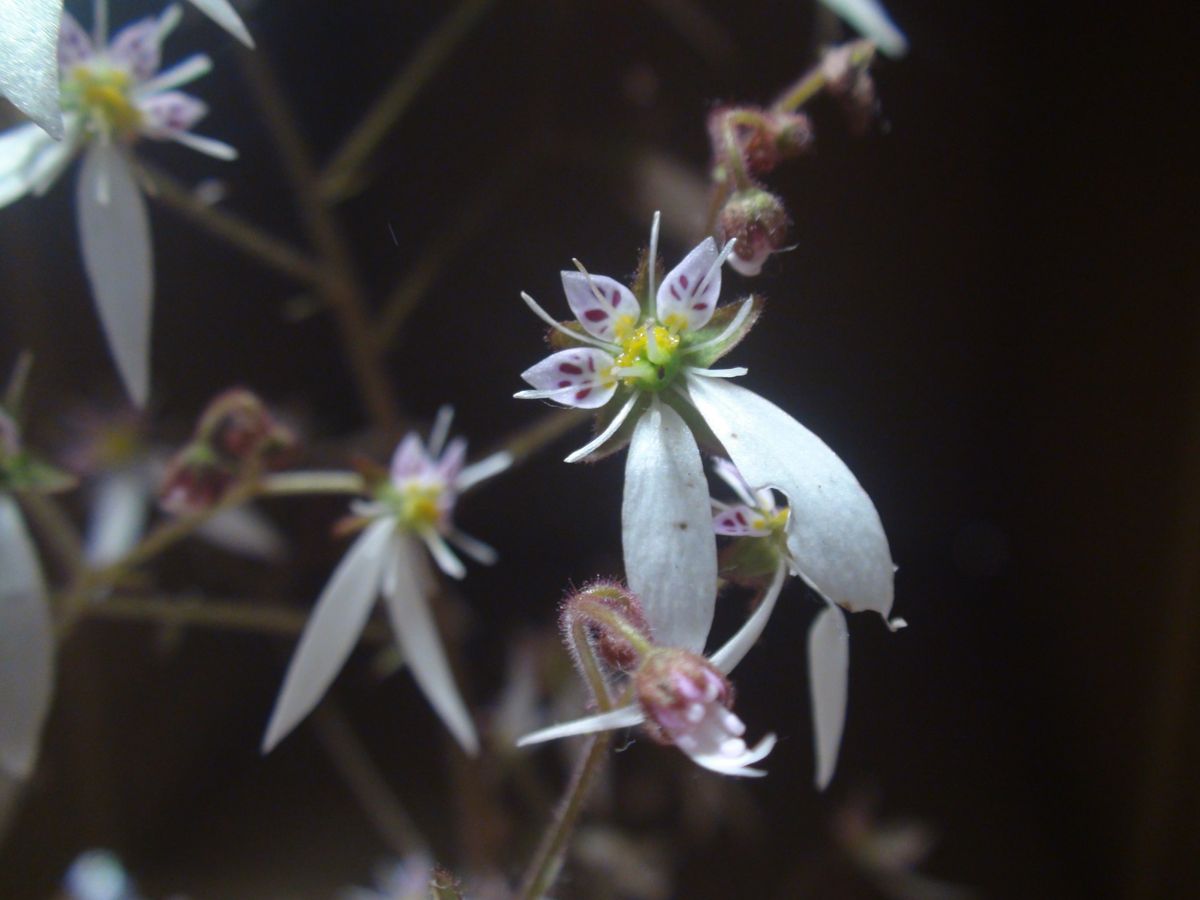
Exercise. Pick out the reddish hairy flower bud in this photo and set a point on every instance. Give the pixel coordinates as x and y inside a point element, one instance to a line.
<point>687,703</point>
<point>610,645</point>
<point>762,137</point>
<point>759,222</point>
<point>848,80</point>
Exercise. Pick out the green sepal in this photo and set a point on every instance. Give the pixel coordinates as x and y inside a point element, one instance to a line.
<point>750,561</point>
<point>25,473</point>
<point>718,323</point>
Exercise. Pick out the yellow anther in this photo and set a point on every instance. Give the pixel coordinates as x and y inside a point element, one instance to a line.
<point>104,95</point>
<point>419,507</point>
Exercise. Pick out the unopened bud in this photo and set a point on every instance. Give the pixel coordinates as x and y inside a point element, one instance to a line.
<point>759,222</point>
<point>762,137</point>
<point>687,703</point>
<point>609,634</point>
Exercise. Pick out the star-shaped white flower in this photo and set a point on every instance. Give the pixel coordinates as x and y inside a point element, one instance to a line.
<point>112,96</point>
<point>685,699</point>
<point>660,359</point>
<point>29,54</point>
<point>415,506</point>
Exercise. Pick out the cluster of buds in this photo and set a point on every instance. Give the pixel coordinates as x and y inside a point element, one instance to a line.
<point>235,438</point>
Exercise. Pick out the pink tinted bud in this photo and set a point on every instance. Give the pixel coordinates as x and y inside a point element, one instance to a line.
<point>237,426</point>
<point>848,79</point>
<point>193,482</point>
<point>759,222</point>
<point>687,703</point>
<point>625,612</point>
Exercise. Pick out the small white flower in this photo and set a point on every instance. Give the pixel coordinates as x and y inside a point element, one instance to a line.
<point>415,506</point>
<point>684,698</point>
<point>870,19</point>
<point>29,74</point>
<point>112,96</point>
<point>661,359</point>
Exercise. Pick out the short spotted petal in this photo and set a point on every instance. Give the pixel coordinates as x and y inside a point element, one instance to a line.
<point>688,295</point>
<point>599,303</point>
<point>577,377</point>
<point>166,116</point>
<point>410,459</point>
<point>74,44</point>
<point>138,48</point>
<point>740,521</point>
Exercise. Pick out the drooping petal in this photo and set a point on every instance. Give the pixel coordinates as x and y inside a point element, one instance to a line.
<point>221,12</point>
<point>115,235</point>
<point>599,303</point>
<point>739,521</point>
<point>244,530</point>
<point>167,115</point>
<point>624,717</point>
<point>870,19</point>
<point>20,147</point>
<point>666,529</point>
<point>120,502</point>
<point>828,673</point>
<point>29,60</point>
<point>578,377</point>
<point>737,765</point>
<point>420,642</point>
<point>833,532</point>
<point>26,646</point>
<point>735,649</point>
<point>332,630</point>
<point>689,293</point>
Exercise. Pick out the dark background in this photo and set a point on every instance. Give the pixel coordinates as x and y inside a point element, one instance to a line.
<point>990,314</point>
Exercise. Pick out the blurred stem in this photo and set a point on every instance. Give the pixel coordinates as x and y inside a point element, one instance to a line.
<point>341,289</point>
<point>547,861</point>
<point>431,260</point>
<point>366,782</point>
<point>529,439</point>
<point>345,167</point>
<point>53,524</point>
<point>290,484</point>
<point>252,240</point>
<point>232,616</point>
<point>813,82</point>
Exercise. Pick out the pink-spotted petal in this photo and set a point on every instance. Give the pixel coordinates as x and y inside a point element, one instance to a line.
<point>410,459</point>
<point>599,303</point>
<point>578,377</point>
<point>138,48</point>
<point>451,462</point>
<point>688,295</point>
<point>740,521</point>
<point>166,116</point>
<point>74,44</point>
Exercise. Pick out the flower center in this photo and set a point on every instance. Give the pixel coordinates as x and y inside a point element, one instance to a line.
<point>103,95</point>
<point>649,357</point>
<point>419,505</point>
<point>776,521</point>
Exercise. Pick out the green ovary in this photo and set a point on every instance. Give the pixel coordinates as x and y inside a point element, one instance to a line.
<point>650,357</point>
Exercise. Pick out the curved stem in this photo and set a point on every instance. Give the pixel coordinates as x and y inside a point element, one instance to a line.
<point>814,81</point>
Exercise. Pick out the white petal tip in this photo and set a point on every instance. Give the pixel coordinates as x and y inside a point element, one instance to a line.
<point>895,624</point>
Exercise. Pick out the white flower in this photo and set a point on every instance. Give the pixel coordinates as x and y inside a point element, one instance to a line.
<point>111,97</point>
<point>684,698</point>
<point>415,506</point>
<point>29,54</point>
<point>870,19</point>
<point>758,516</point>
<point>661,358</point>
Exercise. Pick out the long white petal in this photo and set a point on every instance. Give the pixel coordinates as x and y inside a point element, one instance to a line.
<point>120,501</point>
<point>26,646</point>
<point>221,12</point>
<point>870,19</point>
<point>332,631</point>
<point>828,671</point>
<point>736,648</point>
<point>115,235</point>
<point>420,642</point>
<point>833,532</point>
<point>29,59</point>
<point>624,717</point>
<point>666,529</point>
<point>246,531</point>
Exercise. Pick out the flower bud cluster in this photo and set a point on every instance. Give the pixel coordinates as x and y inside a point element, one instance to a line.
<point>235,437</point>
<point>610,615</point>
